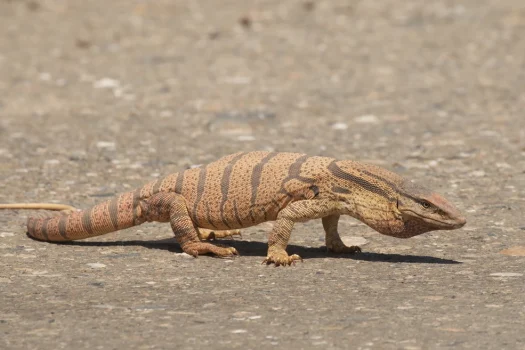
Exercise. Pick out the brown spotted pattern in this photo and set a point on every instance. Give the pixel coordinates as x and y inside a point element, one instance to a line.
<point>245,189</point>
<point>237,191</point>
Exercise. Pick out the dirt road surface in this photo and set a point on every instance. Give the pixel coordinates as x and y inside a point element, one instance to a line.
<point>98,97</point>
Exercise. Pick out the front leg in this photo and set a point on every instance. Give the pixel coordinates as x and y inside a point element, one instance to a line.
<point>295,212</point>
<point>277,243</point>
<point>332,239</point>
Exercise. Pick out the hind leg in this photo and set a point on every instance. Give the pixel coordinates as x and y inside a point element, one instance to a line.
<point>210,235</point>
<point>172,207</point>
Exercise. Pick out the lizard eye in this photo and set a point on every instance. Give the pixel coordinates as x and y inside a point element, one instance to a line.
<point>425,204</point>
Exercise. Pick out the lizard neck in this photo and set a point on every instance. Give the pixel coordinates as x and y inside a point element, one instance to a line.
<point>381,215</point>
<point>368,193</point>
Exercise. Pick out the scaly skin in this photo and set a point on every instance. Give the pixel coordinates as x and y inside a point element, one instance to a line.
<point>245,189</point>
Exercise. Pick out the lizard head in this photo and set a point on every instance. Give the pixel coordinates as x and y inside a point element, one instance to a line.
<point>389,203</point>
<point>423,210</point>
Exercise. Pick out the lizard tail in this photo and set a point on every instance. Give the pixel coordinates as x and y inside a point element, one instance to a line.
<point>43,206</point>
<point>112,215</point>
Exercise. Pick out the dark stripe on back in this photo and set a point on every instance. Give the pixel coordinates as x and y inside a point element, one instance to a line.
<point>178,183</point>
<point>256,175</point>
<point>200,190</point>
<point>359,181</point>
<point>382,179</point>
<point>31,225</point>
<point>156,186</point>
<point>208,215</point>
<point>86,221</point>
<point>294,173</point>
<point>113,212</point>
<point>225,186</point>
<point>338,189</point>
<point>62,223</point>
<point>43,231</point>
<point>236,213</point>
<point>393,185</point>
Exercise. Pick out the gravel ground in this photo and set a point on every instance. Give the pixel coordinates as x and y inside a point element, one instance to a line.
<point>98,97</point>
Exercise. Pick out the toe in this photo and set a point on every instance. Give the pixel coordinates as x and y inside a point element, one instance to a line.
<point>281,259</point>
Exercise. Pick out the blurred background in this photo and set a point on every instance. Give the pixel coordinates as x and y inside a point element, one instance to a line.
<point>164,80</point>
<point>97,97</point>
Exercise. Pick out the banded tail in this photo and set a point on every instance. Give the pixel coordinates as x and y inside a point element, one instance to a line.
<point>112,215</point>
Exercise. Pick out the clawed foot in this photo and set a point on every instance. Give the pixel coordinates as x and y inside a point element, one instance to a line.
<point>210,235</point>
<point>343,249</point>
<point>197,248</point>
<point>280,257</point>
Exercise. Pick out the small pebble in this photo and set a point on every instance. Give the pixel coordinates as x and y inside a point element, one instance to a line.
<point>44,76</point>
<point>506,274</point>
<point>39,273</point>
<point>96,265</point>
<point>246,138</point>
<point>503,165</point>
<point>514,251</point>
<point>477,173</point>
<point>367,119</point>
<point>339,126</point>
<point>106,83</point>
<point>106,145</point>
<point>237,80</point>
<point>166,114</point>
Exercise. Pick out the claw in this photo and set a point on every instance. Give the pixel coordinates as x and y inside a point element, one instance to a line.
<point>343,249</point>
<point>281,258</point>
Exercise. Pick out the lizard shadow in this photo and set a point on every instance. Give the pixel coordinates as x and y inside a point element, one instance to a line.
<point>251,248</point>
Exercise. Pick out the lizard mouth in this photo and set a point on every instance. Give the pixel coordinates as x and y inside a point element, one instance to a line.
<point>443,224</point>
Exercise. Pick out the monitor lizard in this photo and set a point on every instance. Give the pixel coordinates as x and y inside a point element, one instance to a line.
<point>247,188</point>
